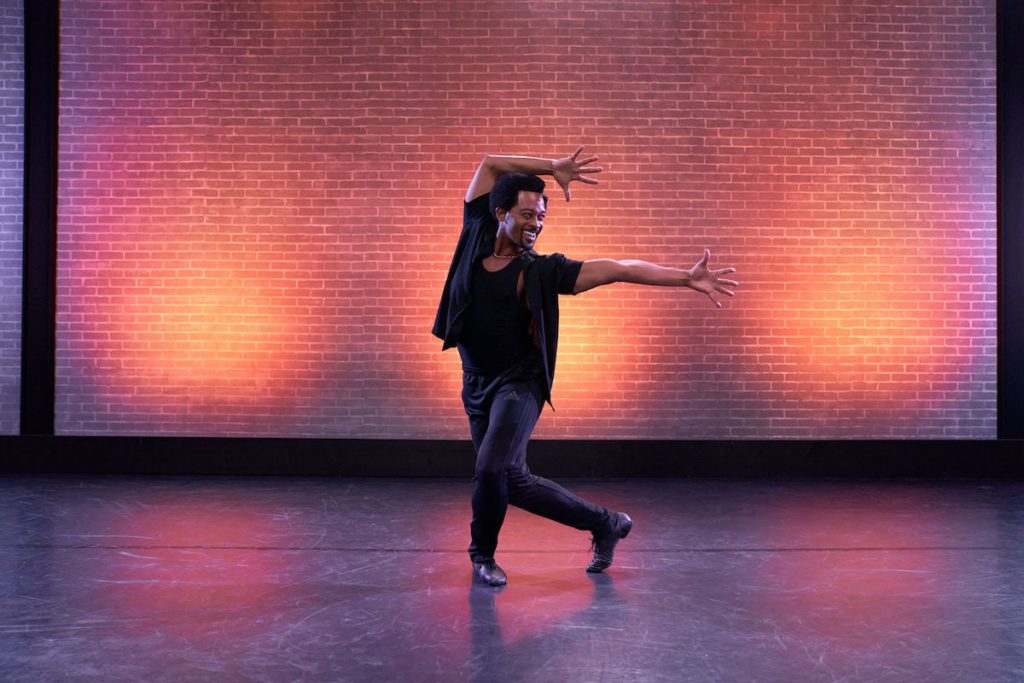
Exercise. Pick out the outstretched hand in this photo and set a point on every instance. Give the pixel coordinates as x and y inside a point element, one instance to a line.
<point>709,281</point>
<point>570,168</point>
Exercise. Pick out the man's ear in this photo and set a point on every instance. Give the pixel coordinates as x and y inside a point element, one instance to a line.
<point>500,213</point>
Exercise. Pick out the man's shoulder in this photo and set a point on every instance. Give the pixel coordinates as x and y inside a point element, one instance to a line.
<point>547,259</point>
<point>547,264</point>
<point>478,211</point>
<point>556,271</point>
<point>480,205</point>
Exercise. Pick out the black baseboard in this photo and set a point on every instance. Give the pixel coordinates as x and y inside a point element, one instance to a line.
<point>1003,459</point>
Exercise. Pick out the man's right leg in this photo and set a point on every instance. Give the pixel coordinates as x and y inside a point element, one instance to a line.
<point>509,423</point>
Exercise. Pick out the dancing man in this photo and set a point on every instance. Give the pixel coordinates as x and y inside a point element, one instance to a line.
<point>500,308</point>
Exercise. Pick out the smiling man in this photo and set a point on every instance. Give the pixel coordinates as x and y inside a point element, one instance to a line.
<point>500,308</point>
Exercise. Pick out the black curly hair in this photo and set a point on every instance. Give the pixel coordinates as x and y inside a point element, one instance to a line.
<point>505,192</point>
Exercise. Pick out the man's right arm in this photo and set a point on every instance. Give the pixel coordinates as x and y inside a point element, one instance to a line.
<point>564,170</point>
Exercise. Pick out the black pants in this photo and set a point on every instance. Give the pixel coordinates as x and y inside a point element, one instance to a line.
<point>502,413</point>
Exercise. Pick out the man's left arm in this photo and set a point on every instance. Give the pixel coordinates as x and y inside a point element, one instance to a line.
<point>597,272</point>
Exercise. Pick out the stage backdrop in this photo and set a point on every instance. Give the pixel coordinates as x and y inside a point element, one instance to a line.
<point>259,203</point>
<point>12,89</point>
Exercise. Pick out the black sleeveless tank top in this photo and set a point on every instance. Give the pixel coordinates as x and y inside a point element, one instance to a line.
<point>495,334</point>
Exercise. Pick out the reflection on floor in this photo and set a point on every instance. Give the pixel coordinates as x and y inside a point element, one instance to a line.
<point>264,579</point>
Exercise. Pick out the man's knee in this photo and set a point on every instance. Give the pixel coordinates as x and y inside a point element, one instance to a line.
<point>490,467</point>
<point>519,479</point>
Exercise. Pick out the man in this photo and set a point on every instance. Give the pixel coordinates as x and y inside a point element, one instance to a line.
<point>500,308</point>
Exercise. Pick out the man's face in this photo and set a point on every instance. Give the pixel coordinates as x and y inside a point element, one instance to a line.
<point>523,223</point>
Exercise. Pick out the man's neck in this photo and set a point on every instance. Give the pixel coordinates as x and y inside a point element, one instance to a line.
<point>505,248</point>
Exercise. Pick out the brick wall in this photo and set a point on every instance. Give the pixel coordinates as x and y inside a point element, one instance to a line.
<point>12,95</point>
<point>259,201</point>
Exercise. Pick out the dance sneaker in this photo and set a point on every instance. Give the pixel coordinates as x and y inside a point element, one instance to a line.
<point>604,545</point>
<point>490,573</point>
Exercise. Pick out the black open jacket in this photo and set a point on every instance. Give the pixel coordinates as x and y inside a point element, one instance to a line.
<point>544,278</point>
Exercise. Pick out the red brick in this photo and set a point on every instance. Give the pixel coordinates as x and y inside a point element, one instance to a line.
<point>259,196</point>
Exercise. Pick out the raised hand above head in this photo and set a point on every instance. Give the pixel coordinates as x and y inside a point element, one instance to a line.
<point>572,168</point>
<point>565,170</point>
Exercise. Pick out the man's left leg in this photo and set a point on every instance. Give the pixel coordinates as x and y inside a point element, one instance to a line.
<point>546,498</point>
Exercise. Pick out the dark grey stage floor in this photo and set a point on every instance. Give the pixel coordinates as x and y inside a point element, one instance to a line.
<point>281,579</point>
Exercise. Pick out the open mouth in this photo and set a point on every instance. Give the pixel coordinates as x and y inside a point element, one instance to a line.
<point>531,235</point>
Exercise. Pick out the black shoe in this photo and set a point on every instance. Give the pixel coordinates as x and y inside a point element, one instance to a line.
<point>490,573</point>
<point>604,545</point>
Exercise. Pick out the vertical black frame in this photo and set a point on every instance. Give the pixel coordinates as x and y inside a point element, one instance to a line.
<point>39,257</point>
<point>1010,218</point>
